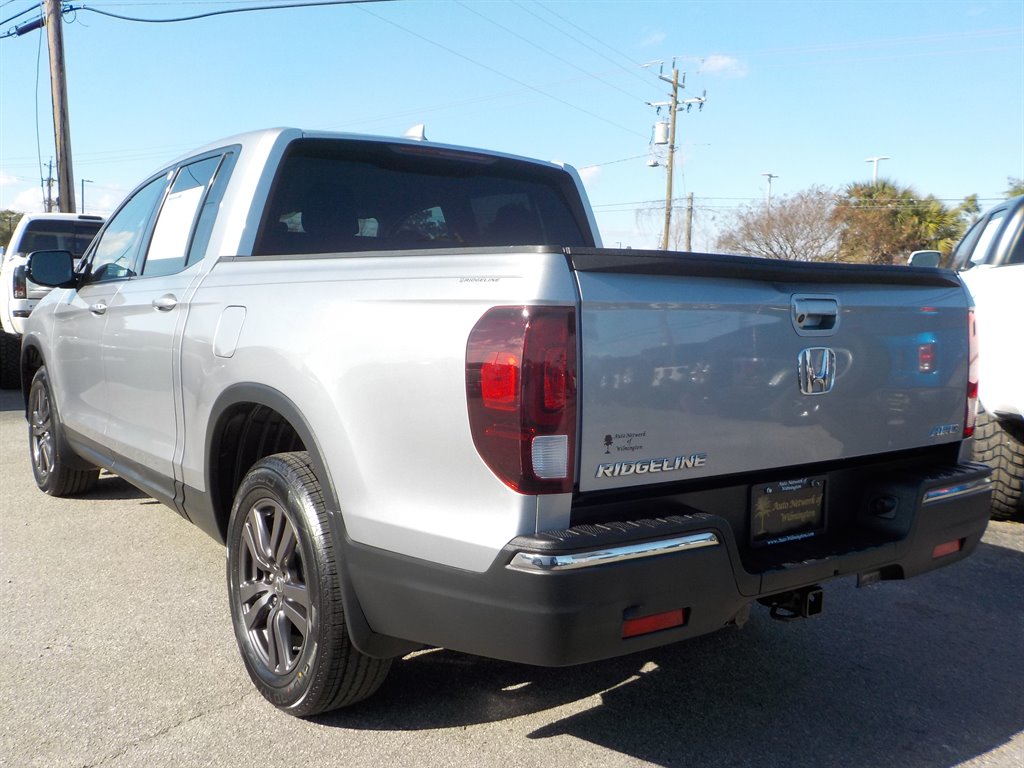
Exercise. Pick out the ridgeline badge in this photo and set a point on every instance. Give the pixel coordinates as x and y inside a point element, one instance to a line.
<point>651,466</point>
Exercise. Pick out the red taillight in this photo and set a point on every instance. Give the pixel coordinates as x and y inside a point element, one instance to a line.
<point>926,358</point>
<point>971,413</point>
<point>20,287</point>
<point>521,391</point>
<point>499,382</point>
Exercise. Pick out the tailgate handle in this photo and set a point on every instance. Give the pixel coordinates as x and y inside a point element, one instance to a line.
<point>815,313</point>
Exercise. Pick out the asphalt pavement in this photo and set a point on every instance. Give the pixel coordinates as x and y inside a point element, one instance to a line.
<point>119,652</point>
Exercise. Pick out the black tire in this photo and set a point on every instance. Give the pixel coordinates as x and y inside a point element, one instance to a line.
<point>53,467</point>
<point>10,361</point>
<point>285,593</point>
<point>1000,444</point>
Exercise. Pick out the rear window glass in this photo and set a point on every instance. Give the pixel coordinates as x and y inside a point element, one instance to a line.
<point>335,196</point>
<point>57,235</point>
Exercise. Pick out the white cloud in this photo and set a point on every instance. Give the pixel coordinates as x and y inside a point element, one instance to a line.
<point>653,39</point>
<point>719,64</point>
<point>27,200</point>
<point>7,180</point>
<point>590,174</point>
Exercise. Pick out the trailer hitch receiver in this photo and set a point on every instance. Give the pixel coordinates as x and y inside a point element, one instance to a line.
<point>796,604</point>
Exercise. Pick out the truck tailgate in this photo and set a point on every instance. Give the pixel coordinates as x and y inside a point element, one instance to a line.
<point>695,366</point>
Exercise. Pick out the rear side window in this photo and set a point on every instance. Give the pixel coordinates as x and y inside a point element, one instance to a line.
<point>336,196</point>
<point>168,248</point>
<point>980,253</point>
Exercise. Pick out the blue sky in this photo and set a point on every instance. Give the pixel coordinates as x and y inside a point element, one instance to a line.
<point>803,90</point>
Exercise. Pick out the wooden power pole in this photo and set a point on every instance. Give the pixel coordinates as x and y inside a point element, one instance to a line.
<point>674,105</point>
<point>673,108</point>
<point>59,90</point>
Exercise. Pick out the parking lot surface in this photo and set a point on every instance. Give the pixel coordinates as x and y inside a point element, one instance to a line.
<point>118,651</point>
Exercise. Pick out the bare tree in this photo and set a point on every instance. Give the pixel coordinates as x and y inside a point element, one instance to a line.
<point>798,227</point>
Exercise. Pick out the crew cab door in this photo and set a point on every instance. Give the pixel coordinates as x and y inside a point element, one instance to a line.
<point>77,367</point>
<point>142,335</point>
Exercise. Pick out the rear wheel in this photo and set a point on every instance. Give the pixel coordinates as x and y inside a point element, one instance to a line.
<point>1000,444</point>
<point>285,595</point>
<point>51,464</point>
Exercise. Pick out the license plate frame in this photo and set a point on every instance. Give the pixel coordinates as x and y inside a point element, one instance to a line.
<point>785,511</point>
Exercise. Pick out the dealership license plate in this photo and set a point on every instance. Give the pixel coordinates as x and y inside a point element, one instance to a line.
<point>786,511</point>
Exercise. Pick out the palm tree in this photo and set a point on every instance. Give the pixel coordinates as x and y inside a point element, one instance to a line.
<point>882,223</point>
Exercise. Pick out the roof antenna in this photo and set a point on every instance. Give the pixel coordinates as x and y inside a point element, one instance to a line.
<point>417,132</point>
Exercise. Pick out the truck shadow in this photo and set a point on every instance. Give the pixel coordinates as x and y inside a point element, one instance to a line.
<point>919,673</point>
<point>11,400</point>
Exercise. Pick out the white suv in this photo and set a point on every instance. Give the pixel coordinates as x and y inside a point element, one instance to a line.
<point>35,232</point>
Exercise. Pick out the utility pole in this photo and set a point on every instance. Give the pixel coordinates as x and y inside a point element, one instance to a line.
<point>671,152</point>
<point>48,202</point>
<point>59,91</point>
<point>674,105</point>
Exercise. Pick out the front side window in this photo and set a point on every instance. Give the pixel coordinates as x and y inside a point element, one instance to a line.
<point>117,249</point>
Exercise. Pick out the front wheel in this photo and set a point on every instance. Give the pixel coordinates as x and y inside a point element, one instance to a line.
<point>285,595</point>
<point>51,464</point>
<point>1000,444</point>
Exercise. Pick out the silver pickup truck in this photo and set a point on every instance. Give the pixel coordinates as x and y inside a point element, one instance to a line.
<point>422,407</point>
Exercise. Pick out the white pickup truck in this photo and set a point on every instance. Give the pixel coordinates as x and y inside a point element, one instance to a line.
<point>990,258</point>
<point>422,407</point>
<point>34,232</point>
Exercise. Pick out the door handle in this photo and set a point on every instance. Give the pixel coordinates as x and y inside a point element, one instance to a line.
<point>165,303</point>
<point>98,309</point>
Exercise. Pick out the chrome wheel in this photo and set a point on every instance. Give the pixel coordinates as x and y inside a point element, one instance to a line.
<point>273,598</point>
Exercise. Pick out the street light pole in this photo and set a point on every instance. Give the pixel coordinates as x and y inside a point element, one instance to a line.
<point>84,182</point>
<point>770,176</point>
<point>874,163</point>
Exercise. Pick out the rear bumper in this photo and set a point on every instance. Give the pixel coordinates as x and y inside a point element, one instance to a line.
<point>564,597</point>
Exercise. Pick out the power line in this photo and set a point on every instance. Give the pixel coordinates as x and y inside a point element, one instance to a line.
<point>544,50</point>
<point>223,11</point>
<point>498,72</point>
<point>632,69</point>
<point>18,15</point>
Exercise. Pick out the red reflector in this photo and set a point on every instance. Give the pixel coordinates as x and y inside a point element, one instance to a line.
<point>949,548</point>
<point>658,621</point>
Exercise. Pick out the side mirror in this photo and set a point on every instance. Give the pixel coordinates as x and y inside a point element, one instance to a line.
<point>54,269</point>
<point>925,259</point>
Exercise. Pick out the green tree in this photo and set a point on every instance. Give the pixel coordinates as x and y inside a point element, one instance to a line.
<point>1016,186</point>
<point>8,221</point>
<point>798,227</point>
<point>882,223</point>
